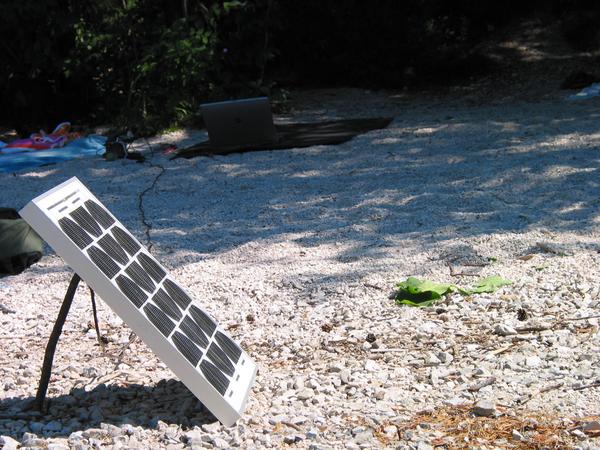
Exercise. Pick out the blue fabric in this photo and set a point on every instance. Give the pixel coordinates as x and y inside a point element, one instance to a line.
<point>86,146</point>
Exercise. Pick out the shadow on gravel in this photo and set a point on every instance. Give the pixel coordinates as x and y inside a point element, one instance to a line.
<point>437,173</point>
<point>428,179</point>
<point>137,405</point>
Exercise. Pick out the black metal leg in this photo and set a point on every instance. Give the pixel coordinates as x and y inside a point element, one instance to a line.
<point>53,340</point>
<point>96,325</point>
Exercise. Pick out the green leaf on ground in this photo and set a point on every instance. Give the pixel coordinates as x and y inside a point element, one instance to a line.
<point>415,292</point>
<point>489,284</point>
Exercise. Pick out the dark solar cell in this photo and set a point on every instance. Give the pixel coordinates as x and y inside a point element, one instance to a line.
<point>166,303</point>
<point>75,232</point>
<point>219,358</point>
<point>86,221</point>
<point>112,247</point>
<point>139,275</point>
<point>214,376</point>
<point>126,241</point>
<point>177,294</point>
<point>104,262</point>
<point>152,267</point>
<point>203,320</point>
<point>187,348</point>
<point>99,213</point>
<point>229,347</point>
<point>194,332</point>
<point>159,319</point>
<point>131,290</point>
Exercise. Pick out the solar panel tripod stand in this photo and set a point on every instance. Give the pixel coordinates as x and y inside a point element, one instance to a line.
<point>40,396</point>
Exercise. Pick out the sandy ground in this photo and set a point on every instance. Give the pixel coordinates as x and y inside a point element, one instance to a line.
<point>297,252</point>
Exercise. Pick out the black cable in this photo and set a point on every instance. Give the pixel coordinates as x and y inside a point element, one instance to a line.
<point>147,225</point>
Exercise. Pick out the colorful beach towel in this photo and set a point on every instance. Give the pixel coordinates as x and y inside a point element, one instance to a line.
<point>61,136</point>
<point>13,159</point>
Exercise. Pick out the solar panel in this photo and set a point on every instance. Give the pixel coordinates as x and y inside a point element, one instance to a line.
<point>124,274</point>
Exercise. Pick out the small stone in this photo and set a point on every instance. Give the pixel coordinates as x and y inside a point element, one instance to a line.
<point>484,408</point>
<point>91,372</point>
<point>75,437</point>
<point>298,420</point>
<point>445,357</point>
<point>345,376</point>
<point>336,367</point>
<point>305,394</point>
<point>517,436</point>
<point>292,438</point>
<point>533,361</point>
<point>97,443</point>
<point>95,433</point>
<point>8,443</point>
<point>171,433</point>
<point>357,430</point>
<point>433,360</point>
<point>128,429</point>
<point>579,434</point>
<point>391,432</point>
<point>481,372</point>
<point>371,366</point>
<point>31,440</point>
<point>313,384</point>
<point>363,437</point>
<point>277,419</point>
<point>218,442</point>
<point>161,426</point>
<point>193,437</point>
<point>211,428</point>
<point>504,330</point>
<point>299,383</point>
<point>112,430</point>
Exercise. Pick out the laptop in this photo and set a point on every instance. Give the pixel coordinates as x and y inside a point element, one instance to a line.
<point>239,122</point>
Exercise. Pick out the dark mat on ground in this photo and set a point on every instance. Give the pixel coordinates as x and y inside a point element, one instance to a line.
<point>296,135</point>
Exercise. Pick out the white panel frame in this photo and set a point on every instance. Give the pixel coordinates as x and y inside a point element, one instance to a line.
<point>228,408</point>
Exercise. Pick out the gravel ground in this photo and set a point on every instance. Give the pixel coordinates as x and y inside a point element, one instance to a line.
<point>297,252</point>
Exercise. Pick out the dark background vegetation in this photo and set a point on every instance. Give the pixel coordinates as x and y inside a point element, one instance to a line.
<point>154,61</point>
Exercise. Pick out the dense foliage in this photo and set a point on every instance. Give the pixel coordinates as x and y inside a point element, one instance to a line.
<point>128,60</point>
<point>155,60</point>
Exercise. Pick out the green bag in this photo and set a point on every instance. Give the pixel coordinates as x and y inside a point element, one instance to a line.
<point>20,245</point>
